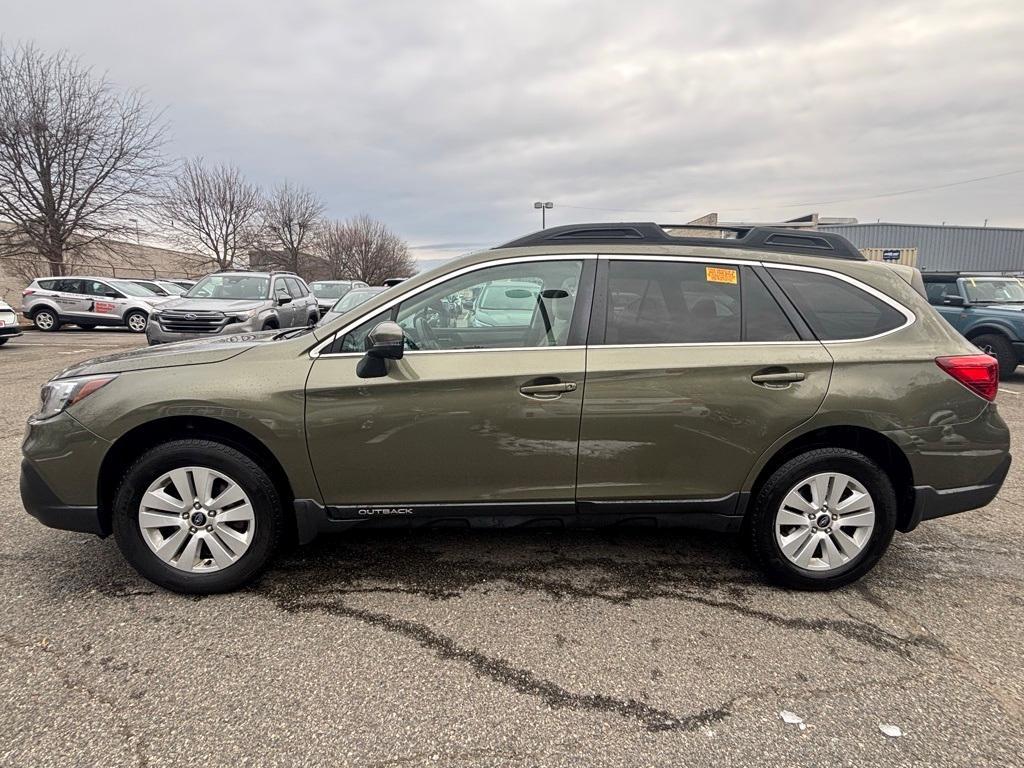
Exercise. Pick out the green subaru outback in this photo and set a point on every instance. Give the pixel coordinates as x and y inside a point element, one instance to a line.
<point>767,382</point>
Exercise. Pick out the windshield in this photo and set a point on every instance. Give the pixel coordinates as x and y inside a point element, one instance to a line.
<point>330,290</point>
<point>171,288</point>
<point>497,296</point>
<point>133,289</point>
<point>229,287</point>
<point>354,298</point>
<point>996,290</point>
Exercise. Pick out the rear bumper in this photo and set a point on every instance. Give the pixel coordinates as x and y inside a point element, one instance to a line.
<point>930,503</point>
<point>42,503</point>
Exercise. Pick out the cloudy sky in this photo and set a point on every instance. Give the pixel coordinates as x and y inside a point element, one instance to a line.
<point>448,119</point>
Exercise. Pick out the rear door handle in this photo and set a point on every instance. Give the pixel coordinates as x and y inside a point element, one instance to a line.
<point>548,390</point>
<point>782,377</point>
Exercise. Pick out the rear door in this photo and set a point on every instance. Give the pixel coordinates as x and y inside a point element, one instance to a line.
<point>693,370</point>
<point>70,297</point>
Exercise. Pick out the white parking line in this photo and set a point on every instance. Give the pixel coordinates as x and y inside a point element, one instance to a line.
<point>1011,391</point>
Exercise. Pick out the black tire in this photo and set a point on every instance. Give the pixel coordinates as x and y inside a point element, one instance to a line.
<point>270,325</point>
<point>761,529</point>
<point>1001,349</point>
<point>262,494</point>
<point>3,341</point>
<point>50,319</point>
<point>128,319</point>
<point>87,326</point>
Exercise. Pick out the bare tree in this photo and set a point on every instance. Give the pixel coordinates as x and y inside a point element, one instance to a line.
<point>212,211</point>
<point>290,217</point>
<point>78,159</point>
<point>363,248</point>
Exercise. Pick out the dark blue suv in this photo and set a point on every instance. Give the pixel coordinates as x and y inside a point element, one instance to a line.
<point>987,309</point>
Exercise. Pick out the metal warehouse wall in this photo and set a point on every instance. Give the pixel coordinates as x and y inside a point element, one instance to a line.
<point>982,249</point>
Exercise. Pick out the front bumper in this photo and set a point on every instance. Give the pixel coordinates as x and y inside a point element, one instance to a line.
<point>59,474</point>
<point>42,503</point>
<point>155,334</point>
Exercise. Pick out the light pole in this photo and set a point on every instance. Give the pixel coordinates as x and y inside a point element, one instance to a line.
<point>544,208</point>
<point>136,223</point>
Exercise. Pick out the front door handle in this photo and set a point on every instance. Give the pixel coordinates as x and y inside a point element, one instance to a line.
<point>548,391</point>
<point>779,377</point>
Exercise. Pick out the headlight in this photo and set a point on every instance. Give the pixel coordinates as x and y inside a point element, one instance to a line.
<point>241,317</point>
<point>55,396</point>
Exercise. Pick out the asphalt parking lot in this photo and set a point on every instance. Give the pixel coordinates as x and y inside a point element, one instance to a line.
<point>505,649</point>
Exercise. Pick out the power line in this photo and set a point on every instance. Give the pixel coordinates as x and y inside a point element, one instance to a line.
<point>808,204</point>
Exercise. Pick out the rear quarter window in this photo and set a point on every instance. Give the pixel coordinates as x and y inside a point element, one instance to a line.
<point>835,309</point>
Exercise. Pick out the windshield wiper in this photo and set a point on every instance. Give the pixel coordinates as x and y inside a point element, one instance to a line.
<point>289,331</point>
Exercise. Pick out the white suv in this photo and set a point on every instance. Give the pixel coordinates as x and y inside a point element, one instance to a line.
<point>88,302</point>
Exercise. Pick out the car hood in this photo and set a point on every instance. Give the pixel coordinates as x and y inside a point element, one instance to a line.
<point>212,350</point>
<point>217,305</point>
<point>1015,309</point>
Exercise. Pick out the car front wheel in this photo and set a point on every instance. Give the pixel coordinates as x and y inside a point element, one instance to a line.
<point>136,321</point>
<point>198,517</point>
<point>823,519</point>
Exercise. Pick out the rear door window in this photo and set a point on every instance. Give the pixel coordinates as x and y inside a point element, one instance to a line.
<point>664,302</point>
<point>835,309</point>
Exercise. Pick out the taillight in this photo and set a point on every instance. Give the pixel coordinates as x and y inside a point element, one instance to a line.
<point>979,373</point>
<point>27,292</point>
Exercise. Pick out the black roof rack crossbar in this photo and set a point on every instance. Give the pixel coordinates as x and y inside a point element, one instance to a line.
<point>646,233</point>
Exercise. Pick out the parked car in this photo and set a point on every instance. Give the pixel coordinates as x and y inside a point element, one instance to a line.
<point>232,302</point>
<point>184,283</point>
<point>160,287</point>
<point>986,309</point>
<point>9,327</point>
<point>504,303</point>
<point>328,292</point>
<point>389,282</point>
<point>774,383</point>
<point>88,302</point>
<point>350,301</point>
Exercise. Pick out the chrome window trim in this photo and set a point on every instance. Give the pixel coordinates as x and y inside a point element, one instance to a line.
<point>315,351</point>
<point>909,315</point>
<point>413,352</point>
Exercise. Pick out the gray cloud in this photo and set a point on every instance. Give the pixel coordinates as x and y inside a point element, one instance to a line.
<point>448,119</point>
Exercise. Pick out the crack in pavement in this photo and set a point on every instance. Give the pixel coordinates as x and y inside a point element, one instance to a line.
<point>503,672</point>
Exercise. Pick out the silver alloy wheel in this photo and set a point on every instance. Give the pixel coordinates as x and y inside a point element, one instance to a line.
<point>43,321</point>
<point>825,521</point>
<point>137,322</point>
<point>197,519</point>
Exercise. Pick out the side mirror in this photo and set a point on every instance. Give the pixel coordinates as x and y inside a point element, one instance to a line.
<point>283,297</point>
<point>954,300</point>
<point>383,343</point>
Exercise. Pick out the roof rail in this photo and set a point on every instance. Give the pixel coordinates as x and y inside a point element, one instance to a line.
<point>779,239</point>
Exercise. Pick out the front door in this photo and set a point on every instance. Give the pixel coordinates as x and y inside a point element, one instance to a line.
<point>480,417</point>
<point>697,372</point>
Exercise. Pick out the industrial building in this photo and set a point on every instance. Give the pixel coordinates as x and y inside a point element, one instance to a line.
<point>935,248</point>
<point>930,248</point>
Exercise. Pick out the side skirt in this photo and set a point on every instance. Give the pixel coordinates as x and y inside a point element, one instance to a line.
<point>724,514</point>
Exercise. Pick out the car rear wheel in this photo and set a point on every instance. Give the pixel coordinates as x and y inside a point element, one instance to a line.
<point>136,321</point>
<point>823,519</point>
<point>46,320</point>
<point>1001,349</point>
<point>197,516</point>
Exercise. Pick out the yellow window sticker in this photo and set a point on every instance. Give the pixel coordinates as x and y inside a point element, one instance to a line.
<point>721,275</point>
